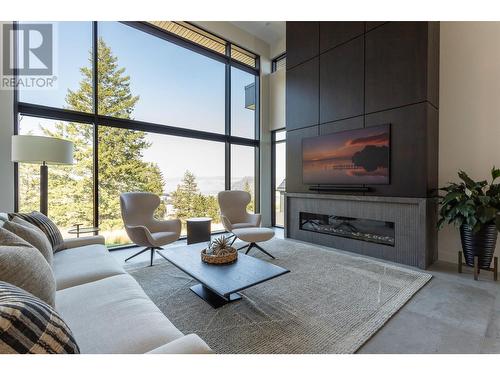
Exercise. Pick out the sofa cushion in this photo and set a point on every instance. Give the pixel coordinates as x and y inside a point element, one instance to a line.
<point>189,344</point>
<point>29,325</point>
<point>242,225</point>
<point>70,243</point>
<point>46,225</point>
<point>3,218</point>
<point>161,238</point>
<point>31,234</point>
<point>84,264</point>
<point>254,234</point>
<point>114,315</point>
<point>24,266</point>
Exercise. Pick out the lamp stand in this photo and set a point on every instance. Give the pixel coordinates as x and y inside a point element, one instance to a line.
<point>44,188</point>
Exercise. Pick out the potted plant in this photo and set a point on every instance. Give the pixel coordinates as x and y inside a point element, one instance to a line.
<point>219,251</point>
<point>474,207</point>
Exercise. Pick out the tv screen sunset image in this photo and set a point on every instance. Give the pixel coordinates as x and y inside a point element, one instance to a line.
<point>351,157</point>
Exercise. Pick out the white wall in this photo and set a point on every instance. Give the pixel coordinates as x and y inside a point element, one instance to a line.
<point>6,131</point>
<point>252,43</point>
<point>277,90</point>
<point>277,100</point>
<point>469,109</point>
<point>278,48</point>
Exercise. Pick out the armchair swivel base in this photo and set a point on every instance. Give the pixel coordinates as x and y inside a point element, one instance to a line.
<point>153,249</point>
<point>254,235</point>
<point>253,244</point>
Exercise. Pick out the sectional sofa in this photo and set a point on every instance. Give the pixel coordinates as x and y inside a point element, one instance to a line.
<point>107,310</point>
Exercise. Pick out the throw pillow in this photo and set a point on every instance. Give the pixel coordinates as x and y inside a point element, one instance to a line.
<point>46,225</point>
<point>31,234</point>
<point>24,266</point>
<point>29,325</point>
<point>7,238</point>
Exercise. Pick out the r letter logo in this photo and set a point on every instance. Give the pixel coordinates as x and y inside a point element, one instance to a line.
<point>28,56</point>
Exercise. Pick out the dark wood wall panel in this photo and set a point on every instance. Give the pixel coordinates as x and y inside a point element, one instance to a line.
<point>342,125</point>
<point>302,95</point>
<point>432,149</point>
<point>349,75</point>
<point>396,65</point>
<point>433,64</point>
<point>408,150</point>
<point>294,158</point>
<point>373,24</point>
<point>302,42</point>
<point>331,34</point>
<point>342,81</point>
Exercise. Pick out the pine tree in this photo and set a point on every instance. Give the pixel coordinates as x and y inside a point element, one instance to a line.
<point>121,167</point>
<point>183,198</point>
<point>189,202</point>
<point>248,189</point>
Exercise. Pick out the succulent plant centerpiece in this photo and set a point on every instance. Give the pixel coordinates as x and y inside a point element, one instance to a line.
<point>219,251</point>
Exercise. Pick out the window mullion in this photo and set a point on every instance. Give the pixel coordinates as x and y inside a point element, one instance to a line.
<point>227,112</point>
<point>95,154</point>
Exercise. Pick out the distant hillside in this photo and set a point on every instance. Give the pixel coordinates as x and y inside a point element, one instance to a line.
<point>209,185</point>
<point>239,183</point>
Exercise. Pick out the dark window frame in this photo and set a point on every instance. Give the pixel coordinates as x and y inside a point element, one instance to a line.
<point>274,142</point>
<point>276,60</point>
<point>95,119</point>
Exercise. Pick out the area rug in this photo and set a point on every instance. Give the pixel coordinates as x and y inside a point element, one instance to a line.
<point>330,302</point>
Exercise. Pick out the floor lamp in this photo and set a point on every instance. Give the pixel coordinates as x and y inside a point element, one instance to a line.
<point>44,151</point>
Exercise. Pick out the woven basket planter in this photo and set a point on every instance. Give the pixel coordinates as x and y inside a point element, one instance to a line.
<point>231,257</point>
<point>481,244</point>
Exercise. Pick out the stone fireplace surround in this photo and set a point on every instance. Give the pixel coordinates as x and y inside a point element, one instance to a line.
<point>415,240</point>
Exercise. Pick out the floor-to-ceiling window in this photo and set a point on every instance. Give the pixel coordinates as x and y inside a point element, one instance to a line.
<point>170,116</point>
<point>70,193</point>
<point>243,171</point>
<point>279,176</point>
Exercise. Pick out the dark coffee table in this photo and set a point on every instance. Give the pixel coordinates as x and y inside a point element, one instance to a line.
<point>220,284</point>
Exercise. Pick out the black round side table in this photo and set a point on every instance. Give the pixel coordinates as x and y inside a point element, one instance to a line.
<point>198,229</point>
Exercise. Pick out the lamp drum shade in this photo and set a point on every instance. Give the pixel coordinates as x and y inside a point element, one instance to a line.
<point>38,150</point>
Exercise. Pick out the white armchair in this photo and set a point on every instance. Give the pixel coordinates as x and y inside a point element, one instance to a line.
<point>233,208</point>
<point>239,222</point>
<point>142,228</point>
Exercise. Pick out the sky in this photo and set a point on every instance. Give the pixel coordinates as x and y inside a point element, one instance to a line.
<point>176,86</point>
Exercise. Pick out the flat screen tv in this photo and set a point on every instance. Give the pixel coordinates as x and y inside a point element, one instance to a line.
<point>353,157</point>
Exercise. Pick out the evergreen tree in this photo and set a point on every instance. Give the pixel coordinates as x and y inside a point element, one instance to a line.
<point>248,189</point>
<point>121,167</point>
<point>183,198</point>
<point>189,202</point>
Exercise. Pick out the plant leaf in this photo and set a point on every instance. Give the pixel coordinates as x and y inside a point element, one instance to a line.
<point>495,173</point>
<point>486,214</point>
<point>451,196</point>
<point>468,181</point>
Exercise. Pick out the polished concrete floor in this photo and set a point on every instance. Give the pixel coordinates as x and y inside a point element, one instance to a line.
<point>453,313</point>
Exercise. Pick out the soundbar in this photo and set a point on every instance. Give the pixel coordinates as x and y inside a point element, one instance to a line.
<point>340,188</point>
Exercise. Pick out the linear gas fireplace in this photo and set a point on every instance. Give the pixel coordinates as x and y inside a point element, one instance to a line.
<point>376,231</point>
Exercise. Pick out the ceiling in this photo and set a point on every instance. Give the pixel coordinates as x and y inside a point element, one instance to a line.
<point>268,31</point>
